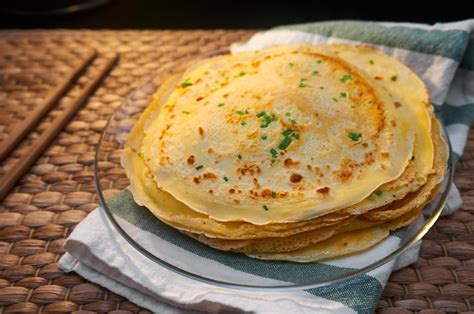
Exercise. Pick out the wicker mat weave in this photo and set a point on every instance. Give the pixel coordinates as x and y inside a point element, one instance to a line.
<point>58,191</point>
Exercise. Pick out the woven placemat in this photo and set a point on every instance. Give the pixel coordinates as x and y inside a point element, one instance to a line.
<point>58,192</point>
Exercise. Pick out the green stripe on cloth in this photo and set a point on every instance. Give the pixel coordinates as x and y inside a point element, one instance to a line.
<point>284,271</point>
<point>450,114</point>
<point>467,61</point>
<point>445,43</point>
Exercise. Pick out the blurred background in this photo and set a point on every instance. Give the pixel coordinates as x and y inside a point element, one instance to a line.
<point>178,14</point>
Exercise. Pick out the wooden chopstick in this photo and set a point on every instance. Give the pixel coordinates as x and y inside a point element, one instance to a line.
<point>32,119</point>
<point>11,177</point>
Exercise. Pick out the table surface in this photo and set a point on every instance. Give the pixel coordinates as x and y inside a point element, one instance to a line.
<point>58,191</point>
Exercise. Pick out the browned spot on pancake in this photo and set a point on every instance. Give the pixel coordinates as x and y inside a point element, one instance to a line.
<point>296,178</point>
<point>266,193</point>
<point>210,191</point>
<point>225,95</point>
<point>199,98</point>
<point>378,78</point>
<point>249,169</point>
<point>290,162</point>
<point>323,191</point>
<point>393,123</point>
<point>310,168</point>
<point>197,180</point>
<point>255,182</point>
<point>397,104</point>
<point>232,191</point>
<point>201,131</point>
<point>190,160</point>
<point>237,201</point>
<point>385,154</point>
<point>365,145</point>
<point>209,150</point>
<point>209,175</point>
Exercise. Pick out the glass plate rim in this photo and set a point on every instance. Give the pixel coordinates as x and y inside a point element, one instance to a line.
<point>283,287</point>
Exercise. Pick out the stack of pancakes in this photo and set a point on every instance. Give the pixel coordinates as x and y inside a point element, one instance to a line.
<point>294,152</point>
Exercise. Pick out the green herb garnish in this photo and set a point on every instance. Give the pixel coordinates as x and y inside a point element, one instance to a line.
<point>314,72</point>
<point>242,73</point>
<point>412,158</point>
<point>393,78</point>
<point>221,104</point>
<point>199,167</point>
<point>186,84</point>
<point>287,114</point>
<point>343,94</point>
<point>378,193</point>
<point>318,61</point>
<point>273,152</point>
<point>371,61</point>
<point>265,207</point>
<point>240,112</point>
<point>239,156</point>
<point>226,179</point>
<point>274,195</point>
<point>354,136</point>
<point>266,119</point>
<point>291,64</point>
<point>303,83</point>
<point>285,143</point>
<point>346,78</point>
<point>243,123</point>
<point>264,137</point>
<point>287,132</point>
<point>321,87</point>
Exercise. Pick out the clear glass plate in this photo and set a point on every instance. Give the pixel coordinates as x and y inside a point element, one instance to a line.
<point>111,179</point>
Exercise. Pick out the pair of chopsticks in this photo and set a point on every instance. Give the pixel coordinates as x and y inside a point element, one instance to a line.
<point>14,174</point>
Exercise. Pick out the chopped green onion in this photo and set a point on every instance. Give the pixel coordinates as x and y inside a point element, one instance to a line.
<point>371,61</point>
<point>274,194</point>
<point>186,84</point>
<point>264,137</point>
<point>354,136</point>
<point>291,64</point>
<point>273,152</point>
<point>239,156</point>
<point>199,167</point>
<point>346,78</point>
<point>315,72</point>
<point>303,83</point>
<point>221,104</point>
<point>394,78</point>
<point>265,207</point>
<point>343,94</point>
<point>240,112</point>
<point>226,179</point>
<point>242,73</point>
<point>285,143</point>
<point>243,123</point>
<point>287,132</point>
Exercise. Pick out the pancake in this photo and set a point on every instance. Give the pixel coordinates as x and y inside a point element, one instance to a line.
<point>254,153</point>
<point>293,148</point>
<point>345,243</point>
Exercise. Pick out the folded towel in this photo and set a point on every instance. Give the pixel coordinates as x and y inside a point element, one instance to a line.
<point>442,55</point>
